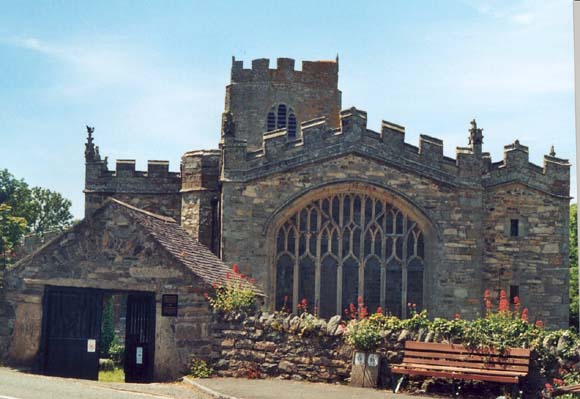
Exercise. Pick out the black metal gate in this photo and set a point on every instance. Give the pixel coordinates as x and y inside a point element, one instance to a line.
<point>140,338</point>
<point>72,326</point>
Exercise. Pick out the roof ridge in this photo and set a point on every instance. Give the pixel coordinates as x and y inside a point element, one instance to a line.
<point>151,214</point>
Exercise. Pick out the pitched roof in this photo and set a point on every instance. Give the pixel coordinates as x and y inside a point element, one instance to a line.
<point>182,246</point>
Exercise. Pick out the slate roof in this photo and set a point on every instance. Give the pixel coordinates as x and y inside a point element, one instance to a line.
<point>184,248</point>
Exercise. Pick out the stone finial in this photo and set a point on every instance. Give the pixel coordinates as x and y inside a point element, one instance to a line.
<point>90,153</point>
<point>552,152</point>
<point>228,124</point>
<point>475,134</point>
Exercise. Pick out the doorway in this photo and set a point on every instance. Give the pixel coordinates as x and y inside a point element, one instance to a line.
<point>72,325</point>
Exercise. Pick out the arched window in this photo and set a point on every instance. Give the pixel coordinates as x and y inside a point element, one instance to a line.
<point>280,117</point>
<point>352,244</point>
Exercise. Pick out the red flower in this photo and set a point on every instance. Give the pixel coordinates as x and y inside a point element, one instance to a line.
<point>549,387</point>
<point>252,280</point>
<point>380,310</point>
<point>205,295</point>
<point>360,300</point>
<point>235,268</point>
<point>504,305</point>
<point>525,314</point>
<point>214,286</point>
<point>557,381</point>
<point>457,316</point>
<point>304,302</point>
<point>363,313</point>
<point>487,294</point>
<point>539,323</point>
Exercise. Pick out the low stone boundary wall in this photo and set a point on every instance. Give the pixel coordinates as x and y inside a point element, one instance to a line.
<point>290,347</point>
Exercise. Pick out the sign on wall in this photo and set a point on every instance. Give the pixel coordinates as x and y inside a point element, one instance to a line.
<point>169,305</point>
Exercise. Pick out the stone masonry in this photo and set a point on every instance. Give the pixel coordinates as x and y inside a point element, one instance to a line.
<point>483,224</point>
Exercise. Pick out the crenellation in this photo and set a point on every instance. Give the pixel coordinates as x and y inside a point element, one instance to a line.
<point>125,167</point>
<point>516,155</point>
<point>430,148</point>
<point>323,73</point>
<point>157,168</point>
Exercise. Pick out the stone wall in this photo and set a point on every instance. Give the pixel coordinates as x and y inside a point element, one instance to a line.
<point>535,262</point>
<point>311,92</point>
<point>310,349</point>
<point>112,252</point>
<point>270,346</point>
<point>155,190</point>
<point>452,198</point>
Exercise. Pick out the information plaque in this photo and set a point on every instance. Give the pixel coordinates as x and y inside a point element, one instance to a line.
<point>169,305</point>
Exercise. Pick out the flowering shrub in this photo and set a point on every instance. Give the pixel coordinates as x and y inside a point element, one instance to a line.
<point>235,295</point>
<point>363,335</point>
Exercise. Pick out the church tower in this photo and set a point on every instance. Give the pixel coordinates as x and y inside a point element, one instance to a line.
<point>263,99</point>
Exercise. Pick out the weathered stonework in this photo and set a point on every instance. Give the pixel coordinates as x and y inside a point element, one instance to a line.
<point>236,199</point>
<point>118,249</point>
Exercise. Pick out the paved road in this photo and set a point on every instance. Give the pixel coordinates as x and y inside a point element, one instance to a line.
<point>283,389</point>
<point>18,385</point>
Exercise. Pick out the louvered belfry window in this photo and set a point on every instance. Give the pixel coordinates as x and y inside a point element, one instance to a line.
<point>347,245</point>
<point>280,117</point>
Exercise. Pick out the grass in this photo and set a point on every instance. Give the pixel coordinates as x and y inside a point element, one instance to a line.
<point>117,375</point>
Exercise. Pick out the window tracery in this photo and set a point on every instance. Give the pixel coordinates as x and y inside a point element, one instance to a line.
<point>281,116</point>
<point>348,245</point>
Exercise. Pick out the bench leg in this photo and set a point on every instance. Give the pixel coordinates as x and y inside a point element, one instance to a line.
<point>516,392</point>
<point>397,385</point>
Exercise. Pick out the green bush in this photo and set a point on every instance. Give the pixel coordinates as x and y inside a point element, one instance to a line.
<point>363,335</point>
<point>200,369</point>
<point>117,352</point>
<point>108,327</point>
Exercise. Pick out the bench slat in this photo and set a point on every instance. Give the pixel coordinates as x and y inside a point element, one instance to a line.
<point>456,348</point>
<point>468,357</point>
<point>461,370</point>
<point>460,364</point>
<point>441,374</point>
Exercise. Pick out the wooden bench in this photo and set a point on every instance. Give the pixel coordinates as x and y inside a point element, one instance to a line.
<point>459,363</point>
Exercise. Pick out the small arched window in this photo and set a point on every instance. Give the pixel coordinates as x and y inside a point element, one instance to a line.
<point>281,116</point>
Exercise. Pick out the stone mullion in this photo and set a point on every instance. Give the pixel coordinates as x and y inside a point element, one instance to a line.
<point>339,269</point>
<point>404,268</point>
<point>384,259</point>
<point>361,264</point>
<point>296,265</point>
<point>318,261</point>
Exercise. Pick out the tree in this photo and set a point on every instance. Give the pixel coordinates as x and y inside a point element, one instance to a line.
<point>11,228</point>
<point>29,210</point>
<point>574,308</point>
<point>49,211</point>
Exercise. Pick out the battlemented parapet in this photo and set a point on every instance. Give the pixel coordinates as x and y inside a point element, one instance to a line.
<point>155,190</point>
<point>256,94</point>
<point>320,140</point>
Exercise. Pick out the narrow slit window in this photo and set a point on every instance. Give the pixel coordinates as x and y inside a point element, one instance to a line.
<point>514,227</point>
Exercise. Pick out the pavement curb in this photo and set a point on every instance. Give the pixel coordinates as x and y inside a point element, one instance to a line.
<point>209,391</point>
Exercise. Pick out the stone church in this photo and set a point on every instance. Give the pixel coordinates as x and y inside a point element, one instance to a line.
<point>314,205</point>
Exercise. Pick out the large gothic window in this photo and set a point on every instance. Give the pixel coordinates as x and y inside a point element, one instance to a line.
<point>338,248</point>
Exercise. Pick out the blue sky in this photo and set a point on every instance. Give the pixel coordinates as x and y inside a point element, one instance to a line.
<point>150,75</point>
